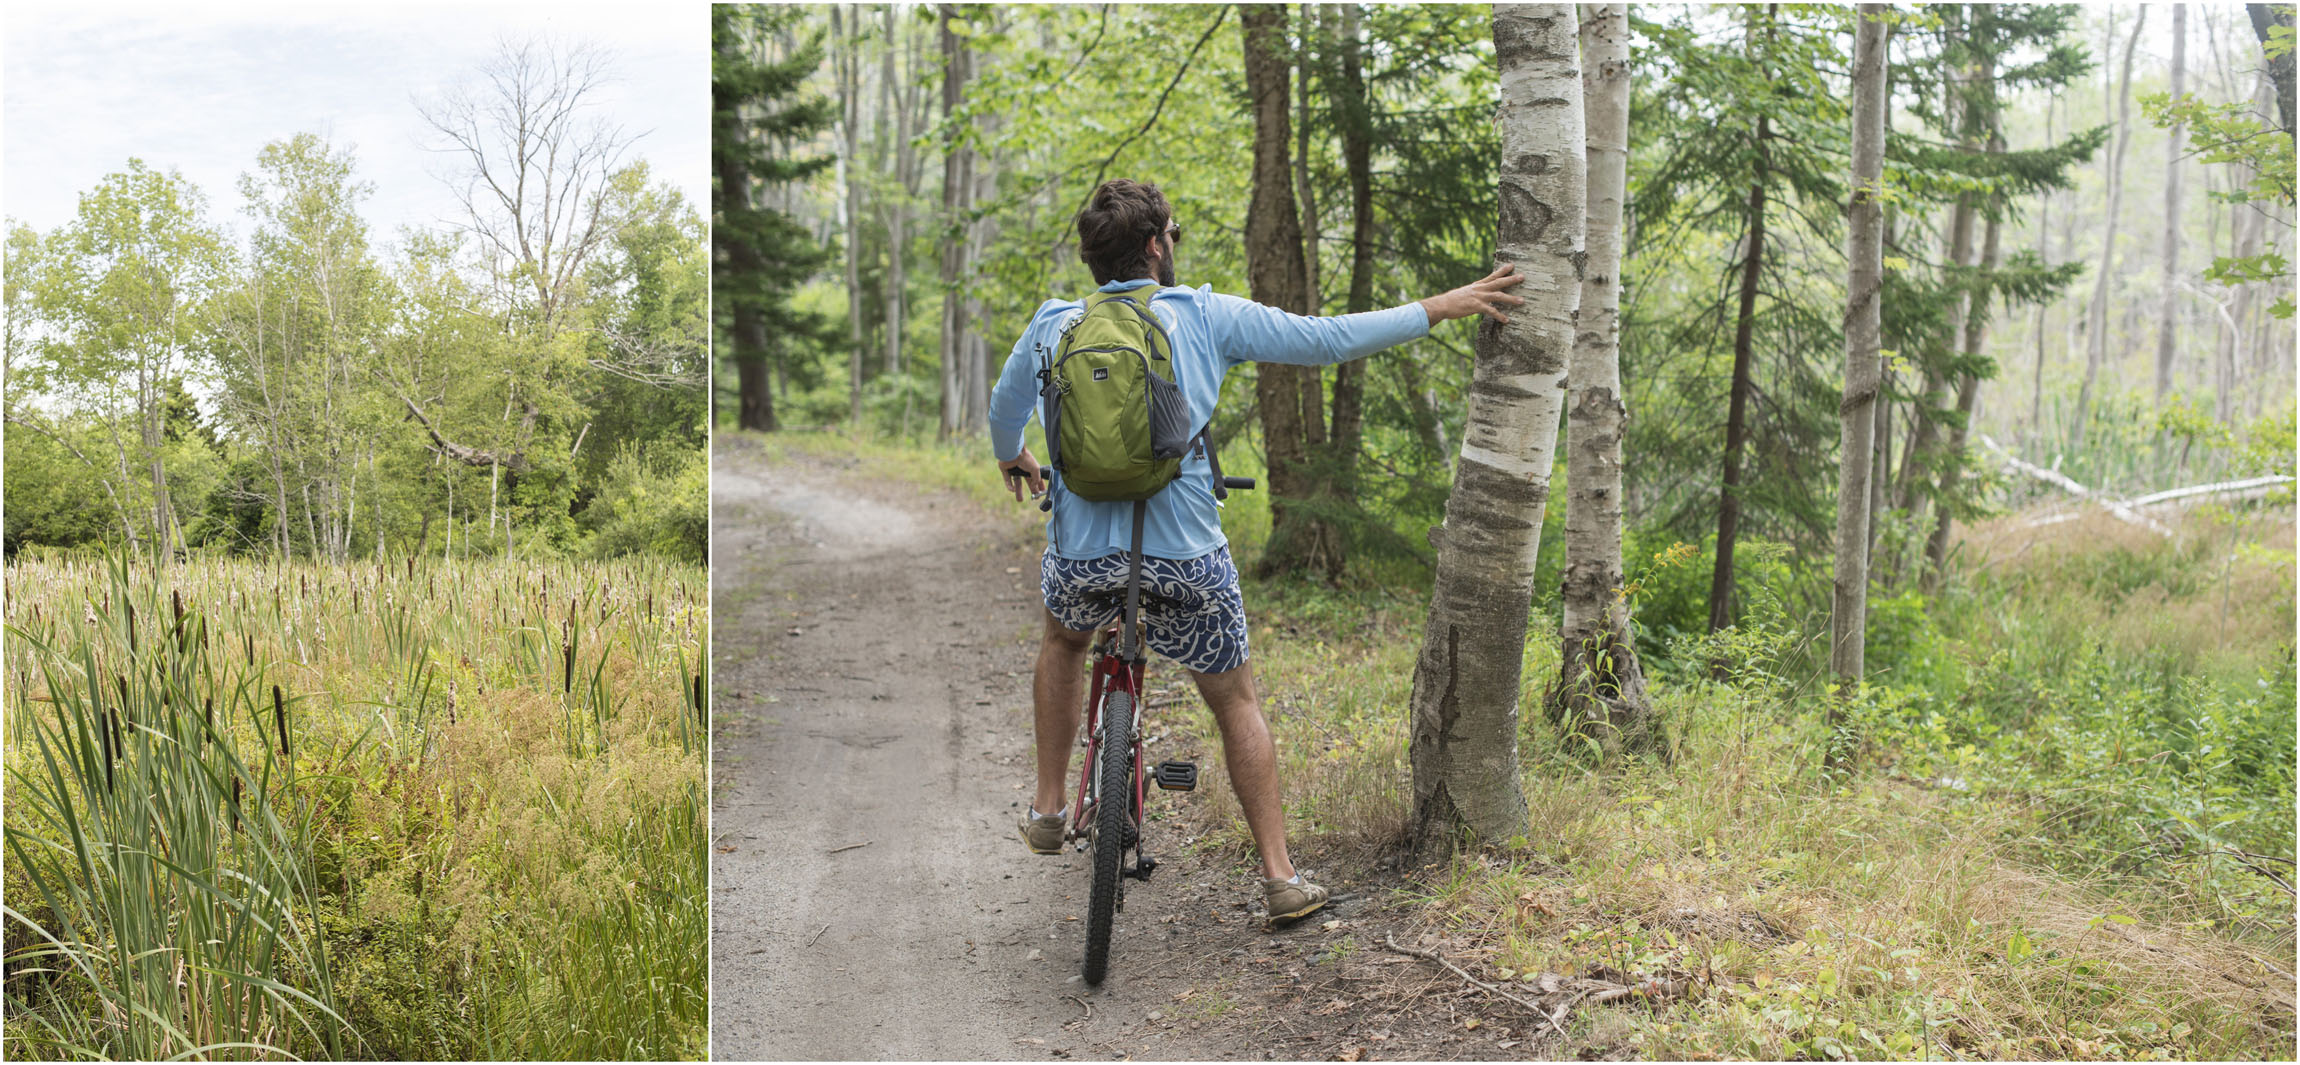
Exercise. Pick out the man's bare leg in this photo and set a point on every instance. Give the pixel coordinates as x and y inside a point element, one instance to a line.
<point>1057,695</point>
<point>1252,759</point>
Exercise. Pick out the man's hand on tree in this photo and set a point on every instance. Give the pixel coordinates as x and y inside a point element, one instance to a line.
<point>1483,296</point>
<point>1023,468</point>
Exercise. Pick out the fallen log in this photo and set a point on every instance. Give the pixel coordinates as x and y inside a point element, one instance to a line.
<point>2117,508</point>
<point>2250,488</point>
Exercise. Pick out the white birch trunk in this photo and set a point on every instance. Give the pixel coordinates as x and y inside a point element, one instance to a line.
<point>1465,696</point>
<point>1601,687</point>
<point>957,185</point>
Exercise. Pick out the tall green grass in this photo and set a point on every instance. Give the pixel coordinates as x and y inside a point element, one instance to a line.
<point>399,810</point>
<point>154,822</point>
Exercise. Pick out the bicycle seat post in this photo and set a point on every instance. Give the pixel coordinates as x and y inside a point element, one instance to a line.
<point>1131,638</point>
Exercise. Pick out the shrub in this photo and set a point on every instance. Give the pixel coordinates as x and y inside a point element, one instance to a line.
<point>655,500</point>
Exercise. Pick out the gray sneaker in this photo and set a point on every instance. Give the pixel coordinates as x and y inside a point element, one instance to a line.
<point>1043,832</point>
<point>1291,900</point>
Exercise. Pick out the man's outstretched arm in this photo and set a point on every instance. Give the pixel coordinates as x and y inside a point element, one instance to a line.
<point>1258,333</point>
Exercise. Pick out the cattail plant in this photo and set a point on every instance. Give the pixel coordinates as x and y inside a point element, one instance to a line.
<point>155,886</point>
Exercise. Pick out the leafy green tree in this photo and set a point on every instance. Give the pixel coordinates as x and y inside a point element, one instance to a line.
<point>122,288</point>
<point>649,349</point>
<point>2237,134</point>
<point>1983,53</point>
<point>296,354</point>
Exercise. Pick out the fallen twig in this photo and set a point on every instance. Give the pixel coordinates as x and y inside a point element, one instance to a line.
<point>818,935</point>
<point>2245,860</point>
<point>1431,955</point>
<point>852,846</point>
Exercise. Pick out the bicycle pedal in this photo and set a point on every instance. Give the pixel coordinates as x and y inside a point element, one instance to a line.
<point>1143,867</point>
<point>1176,776</point>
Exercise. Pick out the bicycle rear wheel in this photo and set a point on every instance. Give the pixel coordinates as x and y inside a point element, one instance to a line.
<point>1113,810</point>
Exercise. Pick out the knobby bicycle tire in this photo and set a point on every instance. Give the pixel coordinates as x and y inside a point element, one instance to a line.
<point>1113,808</point>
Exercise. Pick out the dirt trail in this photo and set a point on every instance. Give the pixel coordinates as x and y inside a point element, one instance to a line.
<point>870,900</point>
<point>872,695</point>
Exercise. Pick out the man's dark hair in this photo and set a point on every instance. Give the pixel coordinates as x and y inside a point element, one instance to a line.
<point>1114,225</point>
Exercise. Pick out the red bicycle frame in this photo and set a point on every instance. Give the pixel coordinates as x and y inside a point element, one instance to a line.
<point>1111,673</point>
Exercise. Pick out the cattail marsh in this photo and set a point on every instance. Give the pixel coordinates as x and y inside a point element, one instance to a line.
<point>394,810</point>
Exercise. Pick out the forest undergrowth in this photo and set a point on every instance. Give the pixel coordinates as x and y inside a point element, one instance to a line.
<point>403,809</point>
<point>2063,827</point>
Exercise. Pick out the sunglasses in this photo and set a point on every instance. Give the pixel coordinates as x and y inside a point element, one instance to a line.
<point>1174,231</point>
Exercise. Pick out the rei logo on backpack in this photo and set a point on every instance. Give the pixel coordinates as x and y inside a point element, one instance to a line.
<point>1116,424</point>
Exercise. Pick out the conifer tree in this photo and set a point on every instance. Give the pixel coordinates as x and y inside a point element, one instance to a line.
<point>759,114</point>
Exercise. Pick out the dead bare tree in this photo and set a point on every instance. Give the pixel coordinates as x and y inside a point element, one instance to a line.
<point>529,162</point>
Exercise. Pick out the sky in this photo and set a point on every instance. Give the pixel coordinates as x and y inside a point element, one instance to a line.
<point>201,89</point>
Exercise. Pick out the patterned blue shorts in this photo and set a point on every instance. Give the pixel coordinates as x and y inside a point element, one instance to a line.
<point>1191,606</point>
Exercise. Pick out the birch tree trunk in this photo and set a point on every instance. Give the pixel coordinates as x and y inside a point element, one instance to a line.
<point>2246,231</point>
<point>2043,254</point>
<point>2096,329</point>
<point>1291,399</point>
<point>1968,398</point>
<point>2168,308</point>
<point>1600,688</point>
<point>1865,274</point>
<point>984,233</point>
<point>1464,740</point>
<point>1922,458</point>
<point>898,201</point>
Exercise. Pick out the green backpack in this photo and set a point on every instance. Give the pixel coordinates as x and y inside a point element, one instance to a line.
<point>1116,424</point>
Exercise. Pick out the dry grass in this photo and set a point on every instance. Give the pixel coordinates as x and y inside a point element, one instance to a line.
<point>2198,594</point>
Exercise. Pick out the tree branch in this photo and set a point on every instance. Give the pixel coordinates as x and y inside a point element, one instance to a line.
<point>470,456</point>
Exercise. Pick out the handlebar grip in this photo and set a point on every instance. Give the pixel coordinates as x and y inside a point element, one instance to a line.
<point>1241,483</point>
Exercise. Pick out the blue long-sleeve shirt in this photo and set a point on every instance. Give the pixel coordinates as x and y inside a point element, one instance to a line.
<point>1211,332</point>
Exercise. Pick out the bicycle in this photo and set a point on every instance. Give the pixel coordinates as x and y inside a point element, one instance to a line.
<point>1112,789</point>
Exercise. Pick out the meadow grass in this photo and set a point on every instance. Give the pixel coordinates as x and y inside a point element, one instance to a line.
<point>393,810</point>
<point>2053,842</point>
<point>2036,850</point>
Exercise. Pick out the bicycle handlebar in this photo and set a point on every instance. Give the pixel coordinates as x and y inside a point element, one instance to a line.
<point>1241,484</point>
